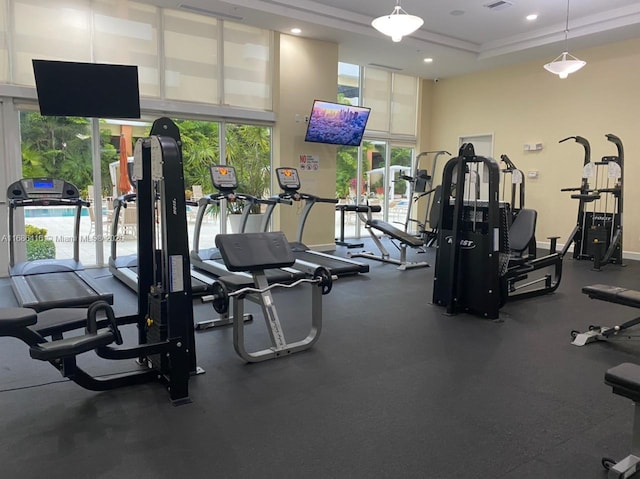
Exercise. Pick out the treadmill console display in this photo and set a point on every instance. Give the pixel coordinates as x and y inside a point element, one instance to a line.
<point>41,189</point>
<point>43,184</point>
<point>288,179</point>
<point>224,178</point>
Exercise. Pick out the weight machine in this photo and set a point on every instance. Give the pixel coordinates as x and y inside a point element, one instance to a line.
<point>166,345</point>
<point>597,235</point>
<point>477,269</point>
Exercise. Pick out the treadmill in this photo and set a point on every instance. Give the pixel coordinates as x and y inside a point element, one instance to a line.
<point>289,182</point>
<point>209,259</point>
<point>125,268</point>
<point>50,283</point>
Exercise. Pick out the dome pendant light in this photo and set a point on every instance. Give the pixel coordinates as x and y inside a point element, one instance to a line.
<point>566,63</point>
<point>397,24</point>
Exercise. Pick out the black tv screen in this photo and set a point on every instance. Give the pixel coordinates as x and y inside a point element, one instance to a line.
<point>96,90</point>
<point>336,124</point>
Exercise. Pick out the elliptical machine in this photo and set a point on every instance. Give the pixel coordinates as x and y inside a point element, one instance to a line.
<point>597,235</point>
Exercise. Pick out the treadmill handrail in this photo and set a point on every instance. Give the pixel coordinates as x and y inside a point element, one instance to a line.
<point>21,203</point>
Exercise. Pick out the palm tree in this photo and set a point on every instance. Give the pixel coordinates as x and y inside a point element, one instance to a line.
<point>249,152</point>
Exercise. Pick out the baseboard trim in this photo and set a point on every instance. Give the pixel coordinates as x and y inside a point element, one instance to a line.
<point>544,245</point>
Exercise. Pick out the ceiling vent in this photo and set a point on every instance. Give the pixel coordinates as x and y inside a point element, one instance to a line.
<point>386,67</point>
<point>498,5</point>
<point>211,13</point>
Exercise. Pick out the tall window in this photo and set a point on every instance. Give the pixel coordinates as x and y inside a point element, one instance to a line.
<point>49,30</point>
<point>247,66</point>
<point>191,57</point>
<point>127,33</point>
<point>374,171</point>
<point>60,147</point>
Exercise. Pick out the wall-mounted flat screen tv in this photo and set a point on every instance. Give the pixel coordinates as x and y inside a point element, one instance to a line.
<point>336,124</point>
<point>96,90</point>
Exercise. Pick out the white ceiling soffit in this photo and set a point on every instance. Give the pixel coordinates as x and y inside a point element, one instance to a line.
<point>579,27</point>
<point>337,18</point>
<point>461,35</point>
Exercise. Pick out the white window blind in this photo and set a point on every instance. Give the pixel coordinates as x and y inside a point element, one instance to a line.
<point>404,104</point>
<point>51,31</point>
<point>376,90</point>
<point>247,66</point>
<point>127,33</point>
<point>191,57</point>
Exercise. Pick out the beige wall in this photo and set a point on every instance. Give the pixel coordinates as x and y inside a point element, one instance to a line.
<point>525,104</point>
<point>308,70</point>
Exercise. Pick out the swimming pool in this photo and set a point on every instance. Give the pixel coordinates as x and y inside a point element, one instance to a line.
<point>56,212</point>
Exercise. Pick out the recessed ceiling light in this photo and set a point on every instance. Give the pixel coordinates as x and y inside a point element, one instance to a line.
<point>428,60</point>
<point>532,17</point>
<point>296,31</point>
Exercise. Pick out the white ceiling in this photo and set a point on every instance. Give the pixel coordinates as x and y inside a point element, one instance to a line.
<point>476,39</point>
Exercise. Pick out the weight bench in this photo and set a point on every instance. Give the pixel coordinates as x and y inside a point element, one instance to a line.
<point>254,253</point>
<point>611,294</point>
<point>625,381</point>
<point>402,237</point>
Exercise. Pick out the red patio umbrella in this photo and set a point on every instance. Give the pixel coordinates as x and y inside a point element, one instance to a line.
<point>123,182</point>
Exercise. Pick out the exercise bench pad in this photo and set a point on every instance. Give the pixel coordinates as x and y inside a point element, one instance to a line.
<point>625,380</point>
<point>15,318</point>
<point>396,233</point>
<point>69,347</point>
<point>255,251</point>
<point>613,294</point>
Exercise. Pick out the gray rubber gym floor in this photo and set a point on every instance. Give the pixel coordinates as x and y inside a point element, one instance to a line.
<point>393,389</point>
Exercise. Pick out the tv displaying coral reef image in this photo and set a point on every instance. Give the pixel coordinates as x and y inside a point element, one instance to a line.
<point>337,124</point>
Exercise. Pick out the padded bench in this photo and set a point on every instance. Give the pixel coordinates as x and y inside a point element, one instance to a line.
<point>396,233</point>
<point>14,319</point>
<point>613,294</point>
<point>255,251</point>
<point>625,381</point>
<point>248,252</point>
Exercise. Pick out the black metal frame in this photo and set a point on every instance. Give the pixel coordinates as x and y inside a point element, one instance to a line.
<point>467,262</point>
<point>166,341</point>
<point>474,271</point>
<point>601,243</point>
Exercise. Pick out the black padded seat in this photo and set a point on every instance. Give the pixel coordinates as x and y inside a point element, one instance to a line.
<point>396,233</point>
<point>69,347</point>
<point>522,230</point>
<point>434,214</point>
<point>625,380</point>
<point>13,318</point>
<point>613,294</point>
<point>587,198</point>
<point>60,320</point>
<point>255,251</point>
<point>353,208</point>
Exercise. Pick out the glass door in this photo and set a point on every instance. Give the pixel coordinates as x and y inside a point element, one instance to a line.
<point>375,175</point>
<point>399,189</point>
